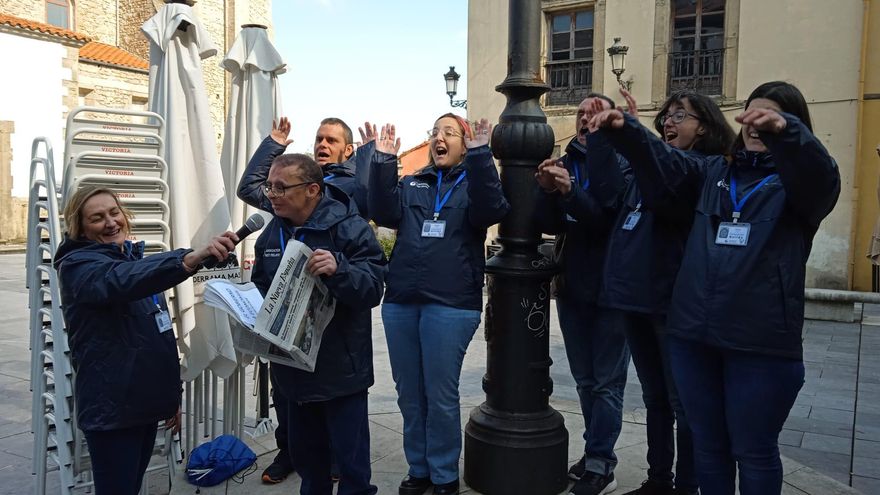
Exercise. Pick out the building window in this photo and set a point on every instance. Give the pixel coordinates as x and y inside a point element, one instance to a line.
<point>697,58</point>
<point>58,13</point>
<point>570,61</point>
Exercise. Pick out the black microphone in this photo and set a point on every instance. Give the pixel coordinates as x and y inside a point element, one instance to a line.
<point>254,223</point>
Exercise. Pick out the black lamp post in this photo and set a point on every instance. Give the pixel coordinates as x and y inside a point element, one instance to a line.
<point>515,443</point>
<point>618,52</point>
<point>452,78</point>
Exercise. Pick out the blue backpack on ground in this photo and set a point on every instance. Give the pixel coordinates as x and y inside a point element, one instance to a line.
<point>214,462</point>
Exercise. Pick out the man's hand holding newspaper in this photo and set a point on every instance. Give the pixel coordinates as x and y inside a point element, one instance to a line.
<point>288,324</point>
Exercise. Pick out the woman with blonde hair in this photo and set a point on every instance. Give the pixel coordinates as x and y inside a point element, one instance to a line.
<point>124,354</point>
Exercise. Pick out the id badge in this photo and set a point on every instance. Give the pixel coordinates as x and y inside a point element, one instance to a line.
<point>733,234</point>
<point>163,321</point>
<point>434,228</point>
<point>632,220</point>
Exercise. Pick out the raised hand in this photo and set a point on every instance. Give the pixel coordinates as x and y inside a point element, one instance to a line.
<point>388,141</point>
<point>595,107</point>
<point>607,119</point>
<point>368,133</point>
<point>281,131</point>
<point>482,131</point>
<point>762,119</point>
<point>632,107</point>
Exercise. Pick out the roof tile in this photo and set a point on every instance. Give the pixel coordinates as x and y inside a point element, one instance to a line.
<point>109,54</point>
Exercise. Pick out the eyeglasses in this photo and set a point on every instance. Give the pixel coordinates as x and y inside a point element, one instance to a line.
<point>448,132</point>
<point>677,117</point>
<point>277,191</point>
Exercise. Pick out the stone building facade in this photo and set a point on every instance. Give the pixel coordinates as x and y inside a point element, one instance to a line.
<point>724,49</point>
<point>100,58</point>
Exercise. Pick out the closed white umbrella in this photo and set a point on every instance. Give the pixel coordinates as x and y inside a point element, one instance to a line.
<point>199,209</point>
<point>254,65</point>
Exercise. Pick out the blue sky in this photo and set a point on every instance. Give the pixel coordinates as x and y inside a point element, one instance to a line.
<point>376,60</point>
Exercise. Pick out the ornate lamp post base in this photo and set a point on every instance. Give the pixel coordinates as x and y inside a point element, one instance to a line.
<point>528,448</point>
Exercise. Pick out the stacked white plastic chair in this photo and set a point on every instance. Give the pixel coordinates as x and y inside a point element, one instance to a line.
<point>51,373</point>
<point>126,157</point>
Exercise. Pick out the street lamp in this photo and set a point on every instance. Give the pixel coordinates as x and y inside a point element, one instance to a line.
<point>515,442</point>
<point>452,78</point>
<point>618,52</point>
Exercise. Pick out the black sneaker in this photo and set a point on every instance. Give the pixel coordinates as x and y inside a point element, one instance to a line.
<point>653,487</point>
<point>594,484</point>
<point>414,486</point>
<point>450,488</point>
<point>577,469</point>
<point>279,470</point>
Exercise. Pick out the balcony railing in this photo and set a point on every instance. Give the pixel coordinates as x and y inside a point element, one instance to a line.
<point>570,82</point>
<point>699,70</point>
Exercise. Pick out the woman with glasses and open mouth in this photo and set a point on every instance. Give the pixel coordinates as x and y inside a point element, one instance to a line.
<point>434,298</point>
<point>736,316</point>
<point>648,243</point>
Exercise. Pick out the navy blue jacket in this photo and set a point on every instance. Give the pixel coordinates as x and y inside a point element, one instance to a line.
<point>747,298</point>
<point>127,373</point>
<point>350,176</point>
<point>642,263</point>
<point>585,216</point>
<point>345,359</point>
<point>446,270</point>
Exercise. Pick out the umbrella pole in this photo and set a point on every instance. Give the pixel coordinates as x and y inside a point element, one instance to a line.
<point>263,390</point>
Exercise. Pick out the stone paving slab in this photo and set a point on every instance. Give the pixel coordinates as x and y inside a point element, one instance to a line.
<point>819,418</point>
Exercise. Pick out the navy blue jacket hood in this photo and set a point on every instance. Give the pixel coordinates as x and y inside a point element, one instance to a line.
<point>345,359</point>
<point>350,176</point>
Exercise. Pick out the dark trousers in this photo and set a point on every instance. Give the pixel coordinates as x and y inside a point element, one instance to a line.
<point>598,358</point>
<point>333,429</point>
<point>279,401</point>
<point>645,335</point>
<point>736,403</point>
<point>120,458</point>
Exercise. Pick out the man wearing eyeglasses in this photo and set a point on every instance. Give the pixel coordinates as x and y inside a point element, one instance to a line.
<point>578,199</point>
<point>333,152</point>
<point>326,410</point>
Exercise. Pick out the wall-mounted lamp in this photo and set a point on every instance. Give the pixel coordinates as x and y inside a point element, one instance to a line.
<point>452,78</point>
<point>618,52</point>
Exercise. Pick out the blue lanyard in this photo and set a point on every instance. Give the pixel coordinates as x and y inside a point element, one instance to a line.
<point>738,205</point>
<point>577,176</point>
<point>438,203</point>
<point>281,237</point>
<point>156,301</point>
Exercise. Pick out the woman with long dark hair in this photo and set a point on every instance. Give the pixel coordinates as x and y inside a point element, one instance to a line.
<point>646,246</point>
<point>737,308</point>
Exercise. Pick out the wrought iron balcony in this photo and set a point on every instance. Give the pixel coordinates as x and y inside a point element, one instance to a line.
<point>570,82</point>
<point>697,70</point>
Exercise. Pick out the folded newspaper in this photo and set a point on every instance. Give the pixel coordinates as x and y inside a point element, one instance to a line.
<point>286,327</point>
